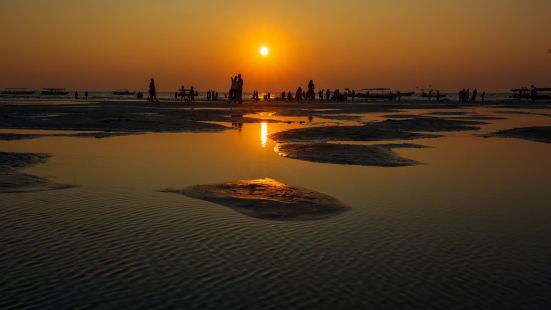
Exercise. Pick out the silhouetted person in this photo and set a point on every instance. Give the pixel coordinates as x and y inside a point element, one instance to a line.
<point>438,95</point>
<point>467,95</point>
<point>152,91</point>
<point>86,95</point>
<point>311,91</point>
<point>475,94</point>
<point>533,93</point>
<point>327,94</point>
<point>430,95</point>
<point>233,89</point>
<point>483,96</point>
<point>76,94</point>
<point>298,95</point>
<point>192,94</point>
<point>239,88</point>
<point>289,96</point>
<point>320,95</point>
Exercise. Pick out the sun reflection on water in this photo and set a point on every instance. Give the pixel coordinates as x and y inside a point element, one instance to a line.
<point>264,134</point>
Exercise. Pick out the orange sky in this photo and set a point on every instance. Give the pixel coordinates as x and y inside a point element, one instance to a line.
<point>404,44</point>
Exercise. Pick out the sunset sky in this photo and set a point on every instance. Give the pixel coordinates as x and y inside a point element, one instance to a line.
<point>404,44</point>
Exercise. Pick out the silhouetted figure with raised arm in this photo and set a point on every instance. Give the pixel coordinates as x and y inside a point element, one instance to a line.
<point>152,91</point>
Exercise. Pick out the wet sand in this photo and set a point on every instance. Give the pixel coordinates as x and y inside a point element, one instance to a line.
<point>537,134</point>
<point>365,155</point>
<point>13,181</point>
<point>267,199</point>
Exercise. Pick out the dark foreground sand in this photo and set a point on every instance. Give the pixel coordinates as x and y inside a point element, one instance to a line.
<point>13,181</point>
<point>537,134</point>
<point>267,199</point>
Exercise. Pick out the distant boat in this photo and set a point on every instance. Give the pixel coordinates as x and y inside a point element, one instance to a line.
<point>123,92</point>
<point>17,91</point>
<point>377,93</point>
<point>54,92</point>
<point>526,93</point>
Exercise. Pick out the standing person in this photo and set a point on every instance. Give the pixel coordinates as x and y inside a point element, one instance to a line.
<point>475,94</point>
<point>311,91</point>
<point>320,95</point>
<point>533,93</point>
<point>327,94</point>
<point>483,96</point>
<point>233,89</point>
<point>438,95</point>
<point>460,95</point>
<point>289,96</point>
<point>76,94</point>
<point>86,95</point>
<point>152,91</point>
<point>239,88</point>
<point>192,94</point>
<point>298,95</point>
<point>467,95</point>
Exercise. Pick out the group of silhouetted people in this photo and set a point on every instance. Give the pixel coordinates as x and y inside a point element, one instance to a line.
<point>236,89</point>
<point>465,95</point>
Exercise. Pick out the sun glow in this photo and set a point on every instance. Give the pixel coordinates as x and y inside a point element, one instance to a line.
<point>264,51</point>
<point>264,134</point>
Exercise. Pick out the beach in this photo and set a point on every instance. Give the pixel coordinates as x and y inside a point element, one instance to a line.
<point>460,208</point>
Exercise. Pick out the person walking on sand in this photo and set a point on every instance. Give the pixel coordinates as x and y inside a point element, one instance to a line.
<point>152,91</point>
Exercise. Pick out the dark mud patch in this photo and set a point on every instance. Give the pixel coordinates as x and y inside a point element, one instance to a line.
<point>537,134</point>
<point>267,199</point>
<point>346,133</point>
<point>381,155</point>
<point>13,181</point>
<point>430,124</point>
<point>97,135</point>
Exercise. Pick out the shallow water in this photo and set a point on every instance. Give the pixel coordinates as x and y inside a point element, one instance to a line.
<point>467,229</point>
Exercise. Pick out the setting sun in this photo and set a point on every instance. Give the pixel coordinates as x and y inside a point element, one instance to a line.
<point>264,51</point>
